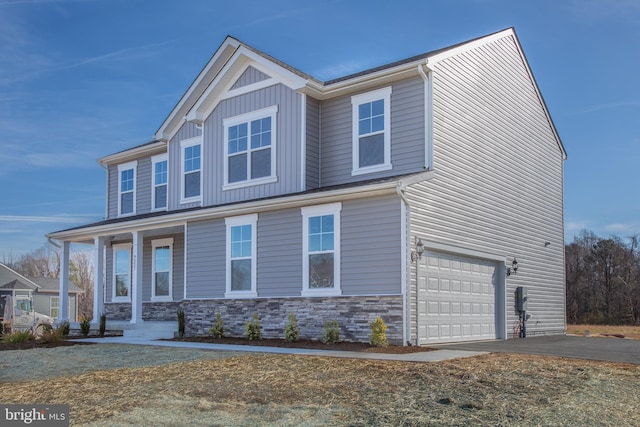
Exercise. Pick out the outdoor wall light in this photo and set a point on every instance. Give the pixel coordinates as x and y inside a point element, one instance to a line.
<point>514,268</point>
<point>417,253</point>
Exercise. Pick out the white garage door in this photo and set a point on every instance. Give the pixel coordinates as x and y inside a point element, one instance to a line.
<point>456,298</point>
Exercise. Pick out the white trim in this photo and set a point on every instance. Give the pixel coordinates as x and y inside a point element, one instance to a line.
<point>251,220</point>
<point>156,244</point>
<point>271,112</point>
<point>243,90</point>
<point>356,101</point>
<point>157,159</point>
<point>186,143</point>
<point>404,277</point>
<point>132,153</point>
<point>313,211</point>
<point>427,76</point>
<point>455,250</point>
<point>303,143</point>
<point>114,248</point>
<point>122,168</point>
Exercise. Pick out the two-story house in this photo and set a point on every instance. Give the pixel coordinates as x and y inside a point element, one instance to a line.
<point>405,191</point>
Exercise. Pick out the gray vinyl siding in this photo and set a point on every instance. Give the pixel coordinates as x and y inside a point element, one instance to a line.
<point>498,183</point>
<point>371,247</point>
<point>188,130</point>
<point>143,186</point>
<point>287,146</point>
<point>250,75</point>
<point>42,305</point>
<point>313,144</point>
<point>279,271</point>
<point>177,260</point>
<point>206,257</point>
<point>407,135</point>
<point>112,192</point>
<point>372,224</point>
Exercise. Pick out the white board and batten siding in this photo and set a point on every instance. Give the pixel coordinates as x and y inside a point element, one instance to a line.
<point>498,177</point>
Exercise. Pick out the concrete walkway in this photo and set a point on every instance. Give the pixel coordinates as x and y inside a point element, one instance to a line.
<point>423,356</point>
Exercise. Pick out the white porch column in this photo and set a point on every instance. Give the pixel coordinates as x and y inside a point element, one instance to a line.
<point>136,278</point>
<point>98,280</point>
<point>63,310</point>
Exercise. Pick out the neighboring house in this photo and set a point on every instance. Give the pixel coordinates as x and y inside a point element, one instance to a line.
<point>45,292</point>
<point>266,191</point>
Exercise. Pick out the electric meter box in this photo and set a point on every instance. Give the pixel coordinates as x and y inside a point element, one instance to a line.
<point>521,298</point>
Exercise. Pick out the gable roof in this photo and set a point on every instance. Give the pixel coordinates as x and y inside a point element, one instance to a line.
<point>49,284</point>
<point>8,275</point>
<point>11,279</point>
<point>233,57</point>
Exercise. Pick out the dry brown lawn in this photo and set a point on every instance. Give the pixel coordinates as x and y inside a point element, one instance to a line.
<point>494,389</point>
<point>632,332</point>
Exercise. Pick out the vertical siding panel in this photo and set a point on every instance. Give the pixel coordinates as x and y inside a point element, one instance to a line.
<point>313,144</point>
<point>498,175</point>
<point>112,191</point>
<point>250,75</point>
<point>143,186</point>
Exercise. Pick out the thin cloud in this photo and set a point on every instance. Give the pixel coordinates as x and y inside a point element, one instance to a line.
<point>610,106</point>
<point>64,219</point>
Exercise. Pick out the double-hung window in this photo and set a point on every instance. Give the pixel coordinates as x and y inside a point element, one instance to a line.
<point>321,250</point>
<point>121,272</point>
<point>241,256</point>
<point>162,271</point>
<point>250,148</point>
<point>191,177</point>
<point>127,188</point>
<point>371,131</point>
<point>160,175</point>
<point>54,311</point>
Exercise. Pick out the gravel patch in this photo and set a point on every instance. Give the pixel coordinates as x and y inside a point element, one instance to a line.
<point>47,363</point>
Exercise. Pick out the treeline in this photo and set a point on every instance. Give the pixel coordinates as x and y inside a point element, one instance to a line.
<point>45,262</point>
<point>603,280</point>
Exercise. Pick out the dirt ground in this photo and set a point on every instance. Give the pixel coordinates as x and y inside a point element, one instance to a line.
<point>629,332</point>
<point>116,386</point>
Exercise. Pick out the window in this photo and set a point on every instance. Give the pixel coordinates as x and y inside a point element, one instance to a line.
<point>191,170</point>
<point>127,188</point>
<point>321,250</point>
<point>371,131</point>
<point>54,309</point>
<point>159,187</point>
<point>250,142</point>
<point>241,256</point>
<point>161,286</point>
<point>121,272</point>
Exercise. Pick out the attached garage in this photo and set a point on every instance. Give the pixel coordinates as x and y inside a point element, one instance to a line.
<point>460,298</point>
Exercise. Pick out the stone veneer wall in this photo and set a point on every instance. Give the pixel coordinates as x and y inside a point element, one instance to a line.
<point>353,313</point>
<point>152,311</point>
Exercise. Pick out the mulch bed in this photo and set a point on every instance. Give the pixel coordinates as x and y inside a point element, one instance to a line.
<point>309,344</point>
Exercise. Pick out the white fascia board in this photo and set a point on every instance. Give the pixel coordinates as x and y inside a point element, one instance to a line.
<point>250,207</point>
<point>220,87</point>
<point>134,153</point>
<point>161,132</point>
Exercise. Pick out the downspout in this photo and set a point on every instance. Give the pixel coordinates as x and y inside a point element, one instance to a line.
<point>406,291</point>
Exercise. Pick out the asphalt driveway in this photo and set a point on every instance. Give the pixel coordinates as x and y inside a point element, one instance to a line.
<point>592,348</point>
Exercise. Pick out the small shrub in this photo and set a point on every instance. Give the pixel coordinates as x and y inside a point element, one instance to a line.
<point>1,329</point>
<point>331,332</point>
<point>291,330</point>
<point>103,324</point>
<point>217,330</point>
<point>378,333</point>
<point>65,327</point>
<point>85,327</point>
<point>53,335</point>
<point>181,323</point>
<point>252,329</point>
<point>18,336</point>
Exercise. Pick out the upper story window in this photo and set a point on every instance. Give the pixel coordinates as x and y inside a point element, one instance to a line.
<point>191,176</point>
<point>160,178</point>
<point>371,131</point>
<point>250,148</point>
<point>121,272</point>
<point>127,188</point>
<point>241,256</point>
<point>321,250</point>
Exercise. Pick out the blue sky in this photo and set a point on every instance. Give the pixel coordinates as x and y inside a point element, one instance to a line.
<point>80,79</point>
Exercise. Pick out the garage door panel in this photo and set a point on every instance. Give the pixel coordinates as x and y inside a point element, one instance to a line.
<point>458,303</point>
